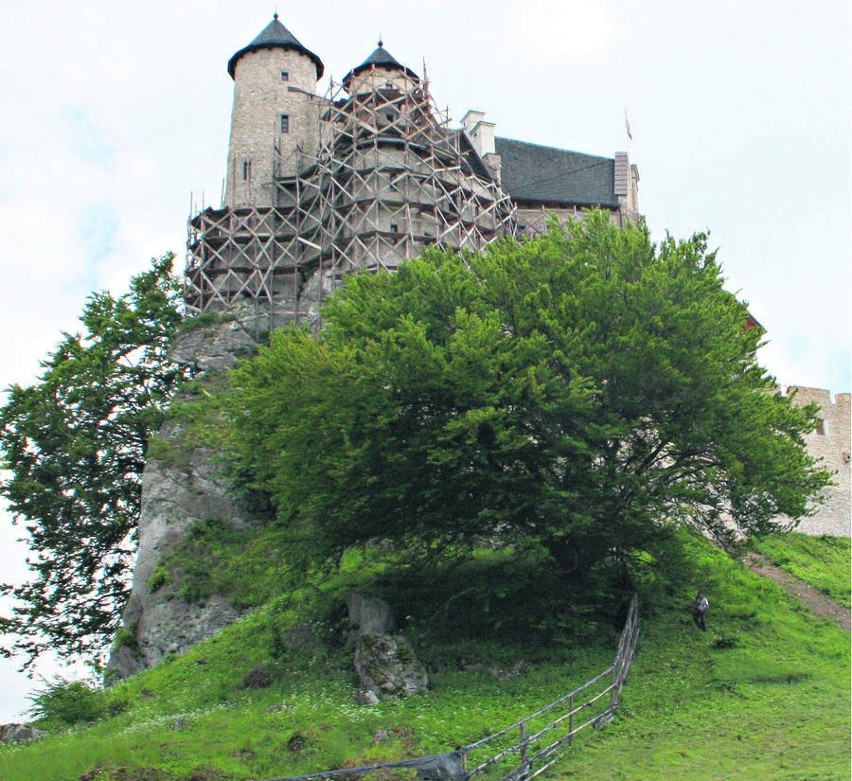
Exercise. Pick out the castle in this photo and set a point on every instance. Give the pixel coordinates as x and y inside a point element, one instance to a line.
<point>320,186</point>
<point>363,178</point>
<point>370,173</point>
<point>317,187</point>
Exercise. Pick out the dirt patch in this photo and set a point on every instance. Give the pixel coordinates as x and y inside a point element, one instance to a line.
<point>817,602</point>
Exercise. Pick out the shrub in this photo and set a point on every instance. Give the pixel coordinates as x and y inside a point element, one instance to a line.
<point>124,637</point>
<point>160,577</point>
<point>68,702</point>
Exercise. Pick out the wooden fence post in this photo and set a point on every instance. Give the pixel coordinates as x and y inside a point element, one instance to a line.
<point>613,695</point>
<point>570,719</point>
<point>617,675</point>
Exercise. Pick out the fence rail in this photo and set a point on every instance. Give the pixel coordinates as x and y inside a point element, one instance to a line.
<point>523,750</point>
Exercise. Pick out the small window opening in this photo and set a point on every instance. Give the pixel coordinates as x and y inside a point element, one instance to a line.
<point>394,227</point>
<point>285,123</point>
<point>285,75</point>
<point>246,170</point>
<point>820,427</point>
<point>389,116</point>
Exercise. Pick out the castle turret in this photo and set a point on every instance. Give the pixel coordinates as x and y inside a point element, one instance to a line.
<point>275,114</point>
<point>360,179</point>
<point>379,71</point>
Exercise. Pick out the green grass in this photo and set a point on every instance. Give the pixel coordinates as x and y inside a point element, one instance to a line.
<point>763,694</point>
<point>823,562</point>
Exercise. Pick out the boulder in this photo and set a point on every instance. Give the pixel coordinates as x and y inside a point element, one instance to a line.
<point>387,667</point>
<point>369,615</point>
<point>18,733</point>
<point>385,664</point>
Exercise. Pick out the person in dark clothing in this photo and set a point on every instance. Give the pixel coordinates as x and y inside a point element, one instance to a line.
<point>699,611</point>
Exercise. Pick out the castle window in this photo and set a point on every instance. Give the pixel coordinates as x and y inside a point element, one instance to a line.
<point>285,75</point>
<point>394,228</point>
<point>285,123</point>
<point>820,427</point>
<point>246,170</point>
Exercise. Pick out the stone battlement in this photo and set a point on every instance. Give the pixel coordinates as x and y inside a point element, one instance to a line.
<point>831,442</point>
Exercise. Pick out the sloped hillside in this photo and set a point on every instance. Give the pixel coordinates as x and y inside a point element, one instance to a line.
<point>763,694</point>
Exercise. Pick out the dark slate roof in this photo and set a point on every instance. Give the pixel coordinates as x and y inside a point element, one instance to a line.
<point>276,35</point>
<point>382,58</point>
<point>544,174</point>
<point>472,157</point>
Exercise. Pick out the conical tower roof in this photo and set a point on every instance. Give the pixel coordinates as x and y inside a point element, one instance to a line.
<point>276,36</point>
<point>383,58</point>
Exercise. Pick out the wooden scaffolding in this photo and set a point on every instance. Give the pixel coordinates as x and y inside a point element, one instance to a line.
<point>387,178</point>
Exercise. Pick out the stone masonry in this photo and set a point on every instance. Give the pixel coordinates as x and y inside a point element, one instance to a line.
<point>831,442</point>
<point>259,150</point>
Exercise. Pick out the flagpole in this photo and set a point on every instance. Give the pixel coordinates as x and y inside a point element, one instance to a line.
<point>627,129</point>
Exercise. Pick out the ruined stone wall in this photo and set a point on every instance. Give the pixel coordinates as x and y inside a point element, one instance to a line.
<point>831,443</point>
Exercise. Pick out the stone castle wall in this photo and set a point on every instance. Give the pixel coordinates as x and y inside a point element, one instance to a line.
<point>831,442</point>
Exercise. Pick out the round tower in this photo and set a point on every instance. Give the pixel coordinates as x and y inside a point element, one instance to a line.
<point>275,114</point>
<point>378,72</point>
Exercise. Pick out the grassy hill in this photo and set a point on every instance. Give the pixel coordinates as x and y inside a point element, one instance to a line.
<point>763,694</point>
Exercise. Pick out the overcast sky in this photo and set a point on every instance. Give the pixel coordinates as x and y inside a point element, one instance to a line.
<point>112,114</point>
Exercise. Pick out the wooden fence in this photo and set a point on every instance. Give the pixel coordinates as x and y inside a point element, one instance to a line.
<point>528,747</point>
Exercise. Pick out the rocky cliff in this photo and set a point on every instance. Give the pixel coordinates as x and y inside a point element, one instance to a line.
<point>183,485</point>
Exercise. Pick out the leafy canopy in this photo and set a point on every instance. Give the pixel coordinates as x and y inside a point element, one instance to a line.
<point>74,446</point>
<point>578,393</point>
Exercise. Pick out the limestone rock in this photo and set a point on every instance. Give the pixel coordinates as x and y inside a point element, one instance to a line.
<point>217,345</point>
<point>18,733</point>
<point>175,495</point>
<point>385,664</point>
<point>366,697</point>
<point>387,667</point>
<point>182,485</point>
<point>212,348</point>
<point>369,615</point>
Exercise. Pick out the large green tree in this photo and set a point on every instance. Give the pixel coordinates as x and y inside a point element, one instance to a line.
<point>73,445</point>
<point>581,393</point>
